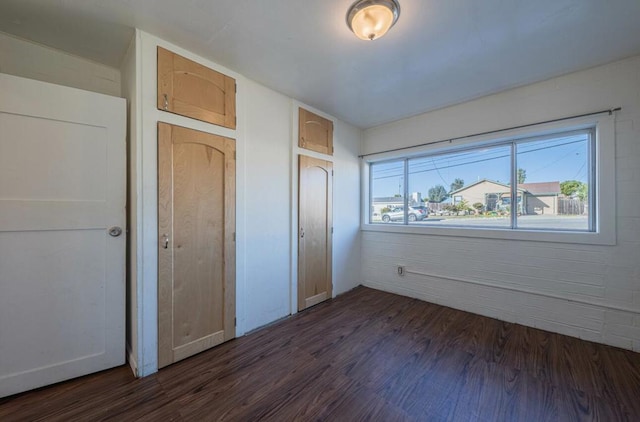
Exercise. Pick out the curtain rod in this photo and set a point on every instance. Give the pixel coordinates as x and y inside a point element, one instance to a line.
<point>610,111</point>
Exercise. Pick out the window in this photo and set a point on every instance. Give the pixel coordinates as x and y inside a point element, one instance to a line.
<point>388,182</point>
<point>532,183</point>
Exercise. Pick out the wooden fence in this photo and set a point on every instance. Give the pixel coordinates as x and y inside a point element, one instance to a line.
<point>572,206</point>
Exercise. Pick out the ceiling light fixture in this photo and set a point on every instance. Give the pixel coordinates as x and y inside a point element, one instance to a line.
<point>371,19</point>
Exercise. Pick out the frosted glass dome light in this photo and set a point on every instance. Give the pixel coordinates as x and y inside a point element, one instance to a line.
<point>371,19</point>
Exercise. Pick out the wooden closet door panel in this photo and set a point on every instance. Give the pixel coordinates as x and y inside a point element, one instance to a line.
<point>193,90</point>
<point>196,247</point>
<point>198,235</point>
<point>315,133</point>
<point>315,231</point>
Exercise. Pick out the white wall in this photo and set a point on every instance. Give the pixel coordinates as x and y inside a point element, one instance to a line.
<point>267,208</point>
<point>29,60</point>
<point>265,280</point>
<point>445,269</point>
<point>346,211</point>
<point>271,205</point>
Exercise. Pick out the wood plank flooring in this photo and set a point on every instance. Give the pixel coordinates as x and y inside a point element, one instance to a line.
<point>367,355</point>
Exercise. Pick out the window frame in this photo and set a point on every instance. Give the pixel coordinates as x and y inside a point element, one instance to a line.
<point>601,197</point>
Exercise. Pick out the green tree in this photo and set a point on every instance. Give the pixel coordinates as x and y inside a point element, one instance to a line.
<point>438,193</point>
<point>459,207</point>
<point>583,192</point>
<point>570,187</point>
<point>463,205</point>
<point>457,184</point>
<point>522,175</point>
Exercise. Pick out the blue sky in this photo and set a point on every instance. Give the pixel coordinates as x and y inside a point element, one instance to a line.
<point>558,159</point>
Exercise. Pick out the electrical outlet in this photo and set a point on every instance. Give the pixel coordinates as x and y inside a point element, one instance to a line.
<point>400,270</point>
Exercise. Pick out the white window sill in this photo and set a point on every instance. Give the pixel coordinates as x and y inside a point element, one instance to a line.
<point>587,238</point>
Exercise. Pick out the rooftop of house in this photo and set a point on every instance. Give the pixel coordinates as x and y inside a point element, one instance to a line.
<point>541,187</point>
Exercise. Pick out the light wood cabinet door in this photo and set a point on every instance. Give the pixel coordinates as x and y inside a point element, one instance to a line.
<point>193,90</point>
<point>196,235</point>
<point>315,133</point>
<point>315,220</point>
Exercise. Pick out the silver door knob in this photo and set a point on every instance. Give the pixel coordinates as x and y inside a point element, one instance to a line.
<point>115,231</point>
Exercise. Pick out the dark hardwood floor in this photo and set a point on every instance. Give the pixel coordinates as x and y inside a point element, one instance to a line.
<point>366,355</point>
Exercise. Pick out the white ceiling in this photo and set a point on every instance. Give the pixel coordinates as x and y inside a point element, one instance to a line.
<point>440,52</point>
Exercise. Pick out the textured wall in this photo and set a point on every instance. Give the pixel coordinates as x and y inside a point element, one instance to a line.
<point>34,61</point>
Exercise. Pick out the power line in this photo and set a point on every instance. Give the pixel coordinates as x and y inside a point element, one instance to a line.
<point>441,178</point>
<point>470,162</point>
<point>553,162</point>
<point>579,170</point>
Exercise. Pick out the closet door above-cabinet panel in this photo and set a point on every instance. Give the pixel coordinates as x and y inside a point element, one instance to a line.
<point>315,132</point>
<point>193,90</point>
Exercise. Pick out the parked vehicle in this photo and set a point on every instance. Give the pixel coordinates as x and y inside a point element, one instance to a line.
<point>424,209</point>
<point>397,214</point>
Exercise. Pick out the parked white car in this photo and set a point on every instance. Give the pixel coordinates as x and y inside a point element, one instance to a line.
<point>397,214</point>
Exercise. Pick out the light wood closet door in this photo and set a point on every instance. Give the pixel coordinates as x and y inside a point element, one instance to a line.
<point>196,252</point>
<point>315,219</point>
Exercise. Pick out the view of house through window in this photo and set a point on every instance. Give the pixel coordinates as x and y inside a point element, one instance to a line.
<point>534,183</point>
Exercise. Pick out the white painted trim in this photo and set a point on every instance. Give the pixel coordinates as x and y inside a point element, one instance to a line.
<point>293,210</point>
<point>140,358</point>
<point>365,205</point>
<point>241,204</point>
<point>587,238</point>
<point>131,359</point>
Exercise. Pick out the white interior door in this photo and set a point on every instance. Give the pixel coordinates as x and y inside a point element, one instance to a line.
<point>62,187</point>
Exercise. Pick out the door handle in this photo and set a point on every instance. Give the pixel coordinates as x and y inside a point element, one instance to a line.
<point>166,102</point>
<point>115,231</point>
<point>166,241</point>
